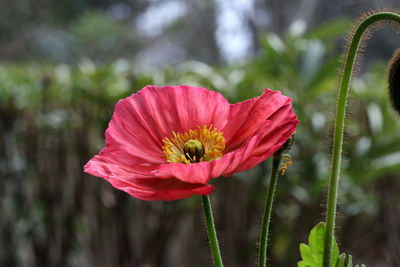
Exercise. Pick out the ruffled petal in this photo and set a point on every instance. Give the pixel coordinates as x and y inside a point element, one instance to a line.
<point>178,108</point>
<point>139,181</point>
<point>160,189</point>
<point>269,144</point>
<point>141,121</point>
<point>126,132</point>
<point>283,124</point>
<point>110,163</point>
<point>246,117</point>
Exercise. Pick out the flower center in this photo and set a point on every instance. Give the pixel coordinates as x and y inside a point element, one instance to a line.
<point>201,144</point>
<point>193,150</point>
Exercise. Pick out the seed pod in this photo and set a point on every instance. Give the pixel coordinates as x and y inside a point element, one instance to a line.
<point>194,150</point>
<point>394,81</point>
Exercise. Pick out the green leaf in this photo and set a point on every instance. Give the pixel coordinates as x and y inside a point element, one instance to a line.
<point>340,262</point>
<point>306,253</point>
<point>312,254</point>
<point>350,263</point>
<point>329,30</point>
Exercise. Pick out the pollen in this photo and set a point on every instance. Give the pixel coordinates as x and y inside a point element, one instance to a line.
<point>286,162</point>
<point>196,145</point>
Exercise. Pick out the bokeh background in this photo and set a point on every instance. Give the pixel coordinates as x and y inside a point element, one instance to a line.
<point>63,66</point>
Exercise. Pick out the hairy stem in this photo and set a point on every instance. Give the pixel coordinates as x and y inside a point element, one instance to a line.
<point>262,256</point>
<point>339,125</point>
<point>212,235</point>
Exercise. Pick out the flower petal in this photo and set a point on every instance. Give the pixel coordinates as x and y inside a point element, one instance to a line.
<point>269,144</point>
<point>111,163</point>
<point>179,108</point>
<point>246,117</point>
<point>141,121</point>
<point>160,189</point>
<point>139,182</point>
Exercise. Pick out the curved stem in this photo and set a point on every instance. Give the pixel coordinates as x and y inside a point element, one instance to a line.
<point>339,125</point>
<point>212,235</point>
<point>262,256</point>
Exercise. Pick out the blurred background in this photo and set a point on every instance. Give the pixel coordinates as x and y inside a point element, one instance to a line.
<point>63,66</point>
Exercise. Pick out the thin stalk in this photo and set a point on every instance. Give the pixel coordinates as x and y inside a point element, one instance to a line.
<point>262,256</point>
<point>339,126</point>
<point>212,235</point>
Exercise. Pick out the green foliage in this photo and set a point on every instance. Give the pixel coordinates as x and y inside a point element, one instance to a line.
<point>312,254</point>
<point>100,37</point>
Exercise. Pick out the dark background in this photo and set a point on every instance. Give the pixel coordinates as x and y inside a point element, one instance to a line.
<point>63,66</point>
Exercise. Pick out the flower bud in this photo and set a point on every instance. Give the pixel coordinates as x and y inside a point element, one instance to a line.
<point>394,81</point>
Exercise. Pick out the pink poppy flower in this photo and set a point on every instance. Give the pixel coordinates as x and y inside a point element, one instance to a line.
<point>167,143</point>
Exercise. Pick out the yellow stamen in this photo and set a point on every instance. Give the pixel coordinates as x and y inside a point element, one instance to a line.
<point>201,144</point>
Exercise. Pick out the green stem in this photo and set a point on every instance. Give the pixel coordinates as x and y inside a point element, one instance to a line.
<point>212,235</point>
<point>262,257</point>
<point>339,125</point>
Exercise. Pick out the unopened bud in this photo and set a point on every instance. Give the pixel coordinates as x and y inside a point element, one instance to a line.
<point>394,81</point>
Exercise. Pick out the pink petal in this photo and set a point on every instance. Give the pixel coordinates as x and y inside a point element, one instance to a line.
<point>112,164</point>
<point>246,117</point>
<point>178,108</point>
<point>141,121</point>
<point>160,189</point>
<point>268,146</point>
<point>139,182</point>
